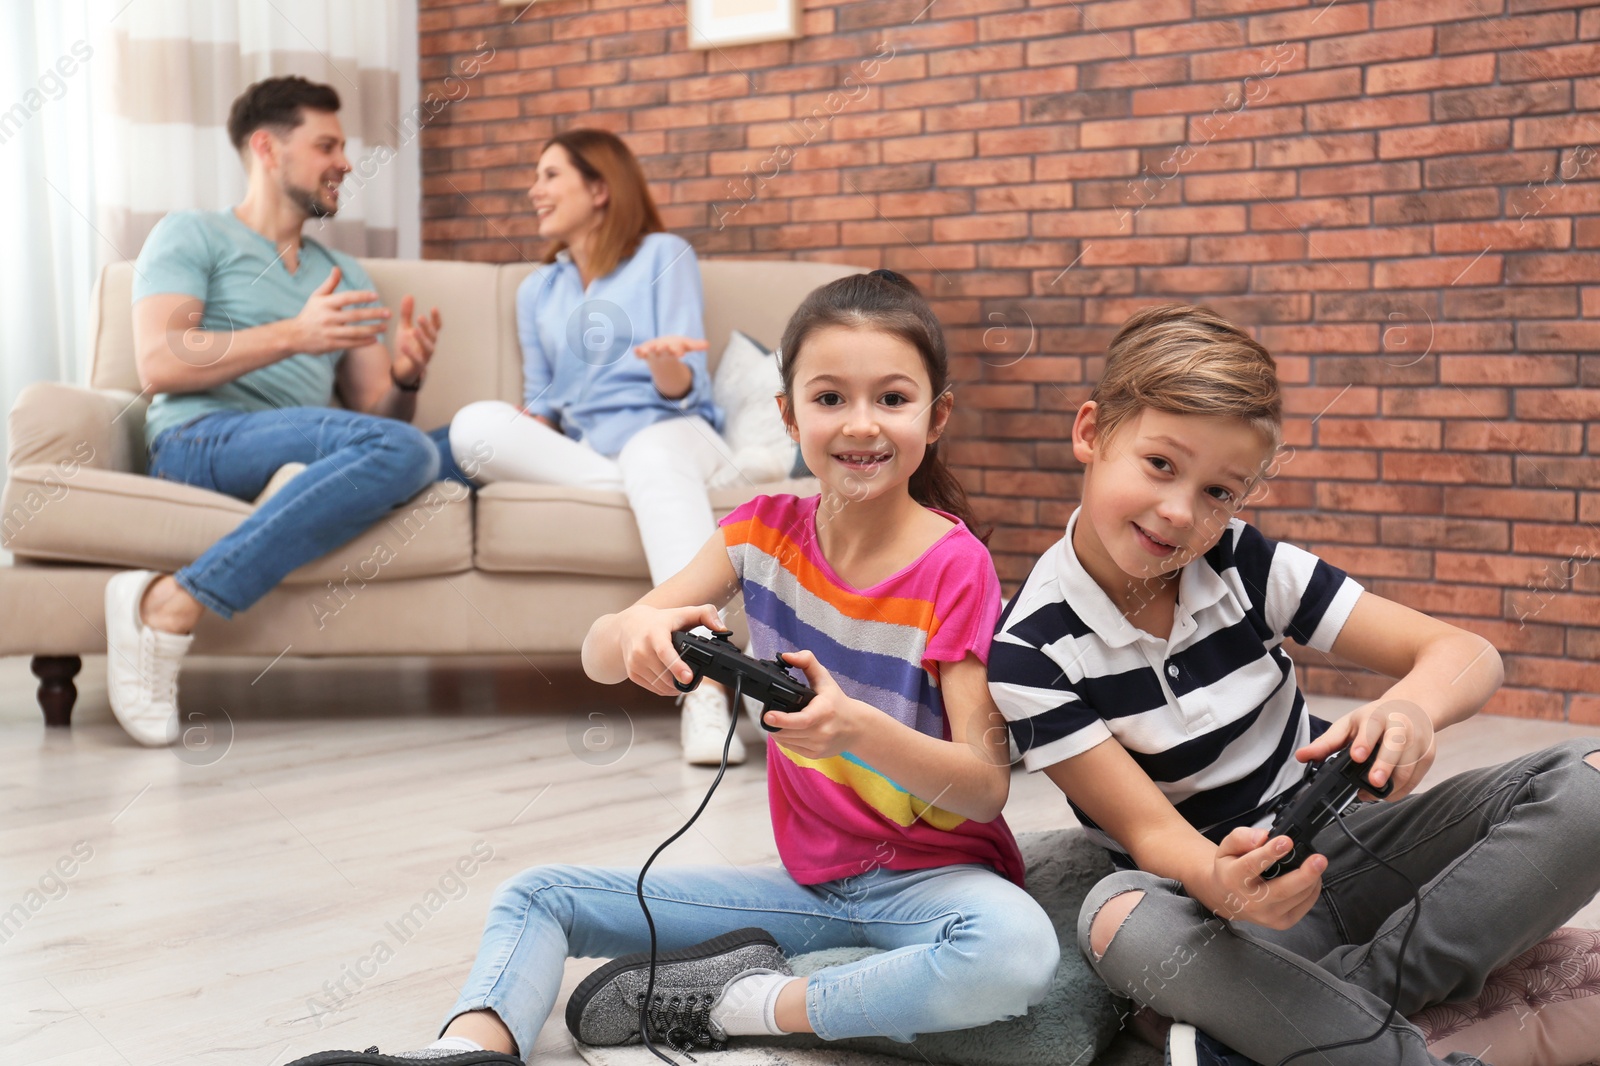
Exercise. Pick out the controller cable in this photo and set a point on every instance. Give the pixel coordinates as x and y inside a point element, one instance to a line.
<point>1400,959</point>
<point>735,708</point>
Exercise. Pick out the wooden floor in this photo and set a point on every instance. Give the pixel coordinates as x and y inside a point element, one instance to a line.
<point>237,901</point>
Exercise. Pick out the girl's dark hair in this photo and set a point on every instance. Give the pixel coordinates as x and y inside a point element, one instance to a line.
<point>886,302</point>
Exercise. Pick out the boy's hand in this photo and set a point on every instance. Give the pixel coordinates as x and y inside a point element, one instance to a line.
<point>1240,892</point>
<point>644,635</point>
<point>829,724</point>
<point>1401,732</point>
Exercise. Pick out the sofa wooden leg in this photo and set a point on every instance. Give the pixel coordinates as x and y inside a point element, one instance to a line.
<point>57,693</point>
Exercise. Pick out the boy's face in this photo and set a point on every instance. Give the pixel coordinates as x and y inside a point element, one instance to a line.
<point>1162,490</point>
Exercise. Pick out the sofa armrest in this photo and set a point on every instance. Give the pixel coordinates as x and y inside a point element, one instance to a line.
<point>71,426</point>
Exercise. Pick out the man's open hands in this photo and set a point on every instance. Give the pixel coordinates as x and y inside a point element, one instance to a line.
<point>328,323</point>
<point>414,342</point>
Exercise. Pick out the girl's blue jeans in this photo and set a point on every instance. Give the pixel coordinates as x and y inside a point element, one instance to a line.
<point>959,946</point>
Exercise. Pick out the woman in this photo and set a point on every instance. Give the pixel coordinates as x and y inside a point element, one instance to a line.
<point>616,394</point>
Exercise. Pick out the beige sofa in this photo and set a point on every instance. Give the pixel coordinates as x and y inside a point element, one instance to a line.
<point>512,569</point>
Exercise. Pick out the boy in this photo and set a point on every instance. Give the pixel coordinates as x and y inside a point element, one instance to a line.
<point>1140,666</point>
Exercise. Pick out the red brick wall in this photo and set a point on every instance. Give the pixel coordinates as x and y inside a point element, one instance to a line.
<point>1398,197</point>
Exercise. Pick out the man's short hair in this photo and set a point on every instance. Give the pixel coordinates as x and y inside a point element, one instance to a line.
<point>276,103</point>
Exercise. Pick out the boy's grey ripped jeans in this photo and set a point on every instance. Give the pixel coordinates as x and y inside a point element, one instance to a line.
<point>1504,856</point>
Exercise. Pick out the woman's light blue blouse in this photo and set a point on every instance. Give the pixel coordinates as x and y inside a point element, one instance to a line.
<point>578,363</point>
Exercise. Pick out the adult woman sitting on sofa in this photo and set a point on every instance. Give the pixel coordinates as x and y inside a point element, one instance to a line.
<point>616,393</point>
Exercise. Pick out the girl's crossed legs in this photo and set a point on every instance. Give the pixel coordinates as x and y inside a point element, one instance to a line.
<point>959,945</point>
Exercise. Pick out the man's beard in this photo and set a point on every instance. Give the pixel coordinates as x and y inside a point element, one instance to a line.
<point>309,202</point>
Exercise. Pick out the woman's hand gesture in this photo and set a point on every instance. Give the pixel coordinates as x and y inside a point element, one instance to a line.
<point>664,356</point>
<point>669,347</point>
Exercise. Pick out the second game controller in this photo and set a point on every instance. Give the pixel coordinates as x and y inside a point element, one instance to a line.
<point>1329,789</point>
<point>765,680</point>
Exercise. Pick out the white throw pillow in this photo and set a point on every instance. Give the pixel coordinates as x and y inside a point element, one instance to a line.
<point>745,386</point>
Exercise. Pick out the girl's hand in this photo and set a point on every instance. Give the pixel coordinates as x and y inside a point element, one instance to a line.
<point>1401,732</point>
<point>644,636</point>
<point>829,725</point>
<point>1238,891</point>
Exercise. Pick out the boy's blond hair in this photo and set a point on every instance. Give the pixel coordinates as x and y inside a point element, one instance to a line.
<point>1188,360</point>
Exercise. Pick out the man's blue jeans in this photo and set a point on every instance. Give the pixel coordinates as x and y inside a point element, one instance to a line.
<point>358,468</point>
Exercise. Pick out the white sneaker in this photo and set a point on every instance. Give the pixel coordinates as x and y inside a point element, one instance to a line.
<point>278,480</point>
<point>705,725</point>
<point>141,663</point>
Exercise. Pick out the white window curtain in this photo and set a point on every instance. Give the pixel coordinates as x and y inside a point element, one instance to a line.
<point>113,113</point>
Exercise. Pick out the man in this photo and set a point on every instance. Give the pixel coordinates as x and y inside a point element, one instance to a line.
<point>246,331</point>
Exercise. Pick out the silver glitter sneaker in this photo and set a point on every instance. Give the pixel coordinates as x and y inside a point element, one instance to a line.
<point>604,1010</point>
<point>431,1056</point>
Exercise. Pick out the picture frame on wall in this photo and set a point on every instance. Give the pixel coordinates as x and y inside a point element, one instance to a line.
<point>719,23</point>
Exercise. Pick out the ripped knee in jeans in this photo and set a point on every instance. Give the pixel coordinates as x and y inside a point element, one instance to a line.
<point>1109,918</point>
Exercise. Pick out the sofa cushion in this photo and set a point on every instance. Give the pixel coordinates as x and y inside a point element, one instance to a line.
<point>547,529</point>
<point>746,382</point>
<point>119,519</point>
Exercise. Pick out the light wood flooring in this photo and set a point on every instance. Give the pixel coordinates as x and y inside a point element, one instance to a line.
<point>240,901</point>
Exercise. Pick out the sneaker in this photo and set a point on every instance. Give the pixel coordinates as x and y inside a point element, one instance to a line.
<point>604,1009</point>
<point>141,663</point>
<point>705,727</point>
<point>277,481</point>
<point>1188,1046</point>
<point>432,1056</point>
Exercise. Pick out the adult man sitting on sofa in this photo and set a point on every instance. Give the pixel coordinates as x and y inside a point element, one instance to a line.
<point>245,330</point>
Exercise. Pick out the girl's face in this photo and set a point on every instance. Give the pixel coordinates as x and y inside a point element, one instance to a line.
<point>863,410</point>
<point>565,204</point>
<point>1162,490</point>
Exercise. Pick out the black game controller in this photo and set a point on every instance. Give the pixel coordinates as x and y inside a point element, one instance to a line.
<point>1329,789</point>
<point>766,680</point>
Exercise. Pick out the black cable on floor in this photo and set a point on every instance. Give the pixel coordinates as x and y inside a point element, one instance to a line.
<point>734,708</point>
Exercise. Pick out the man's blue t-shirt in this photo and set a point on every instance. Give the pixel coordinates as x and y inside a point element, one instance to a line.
<point>243,281</point>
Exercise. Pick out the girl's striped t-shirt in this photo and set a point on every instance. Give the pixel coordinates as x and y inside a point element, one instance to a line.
<point>837,817</point>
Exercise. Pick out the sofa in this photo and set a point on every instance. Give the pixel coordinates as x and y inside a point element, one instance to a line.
<point>511,569</point>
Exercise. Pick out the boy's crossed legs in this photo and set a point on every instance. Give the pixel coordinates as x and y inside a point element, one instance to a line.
<point>960,946</point>
<point>1504,855</point>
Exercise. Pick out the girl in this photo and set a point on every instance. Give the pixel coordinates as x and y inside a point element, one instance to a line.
<point>616,392</point>
<point>885,790</point>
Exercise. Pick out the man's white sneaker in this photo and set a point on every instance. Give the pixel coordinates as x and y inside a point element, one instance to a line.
<point>141,663</point>
<point>705,726</point>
